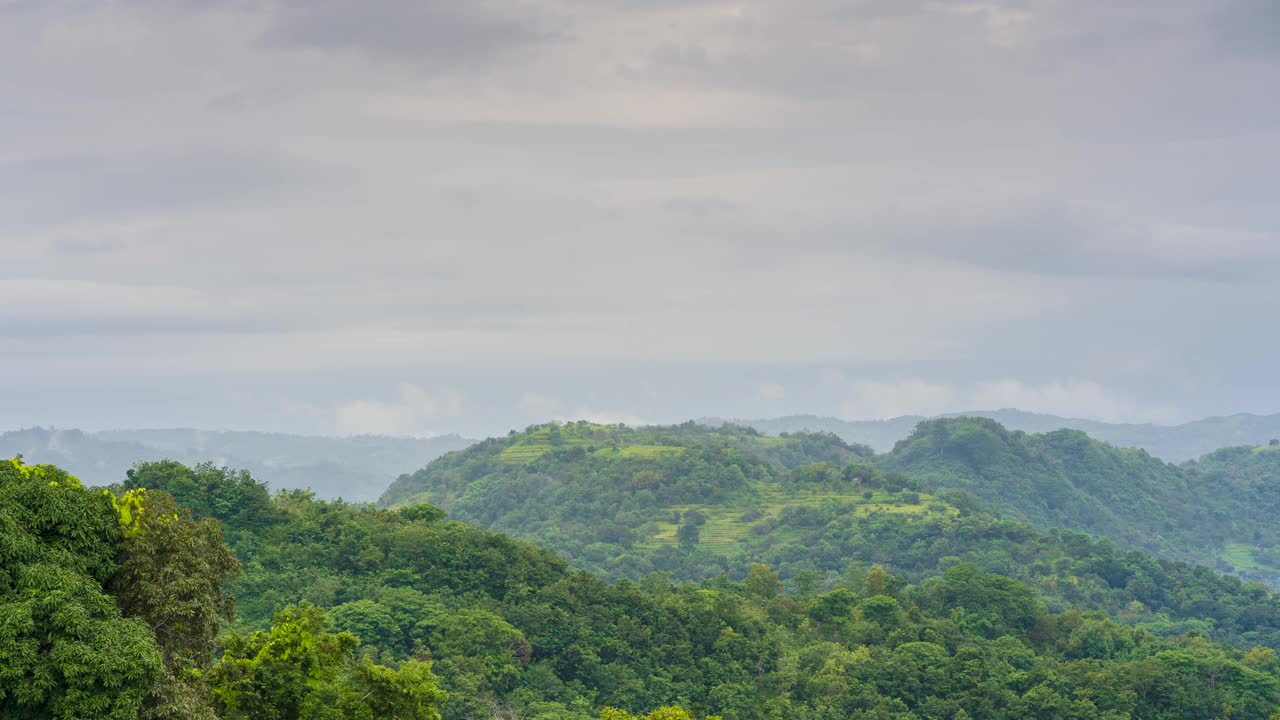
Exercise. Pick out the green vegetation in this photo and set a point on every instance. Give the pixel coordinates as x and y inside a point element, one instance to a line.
<point>110,606</point>
<point>616,499</point>
<point>196,593</point>
<point>806,505</point>
<point>1208,512</point>
<point>513,632</point>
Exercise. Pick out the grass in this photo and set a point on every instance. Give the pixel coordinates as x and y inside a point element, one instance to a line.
<point>725,528</point>
<point>1240,556</point>
<point>1267,448</point>
<point>539,442</point>
<point>649,451</point>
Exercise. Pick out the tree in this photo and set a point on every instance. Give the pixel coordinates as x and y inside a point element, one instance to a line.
<point>688,535</point>
<point>876,579</point>
<point>763,582</point>
<point>805,583</point>
<point>65,650</point>
<point>298,669</point>
<point>695,517</point>
<point>662,713</point>
<point>173,575</point>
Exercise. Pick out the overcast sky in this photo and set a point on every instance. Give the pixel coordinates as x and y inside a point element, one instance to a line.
<point>418,216</point>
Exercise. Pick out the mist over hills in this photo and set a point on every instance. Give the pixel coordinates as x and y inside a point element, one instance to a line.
<point>1174,443</point>
<point>354,468</point>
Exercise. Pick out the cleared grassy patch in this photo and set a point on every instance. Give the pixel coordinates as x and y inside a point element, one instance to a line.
<point>649,451</point>
<point>725,526</point>
<point>1240,556</point>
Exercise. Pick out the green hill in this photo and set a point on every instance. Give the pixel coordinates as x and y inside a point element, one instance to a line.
<point>513,632</point>
<point>1219,511</point>
<point>698,502</point>
<point>609,496</point>
<point>110,604</point>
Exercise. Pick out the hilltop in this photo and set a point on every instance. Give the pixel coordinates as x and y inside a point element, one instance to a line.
<point>1174,443</point>
<point>618,499</point>
<point>1218,511</point>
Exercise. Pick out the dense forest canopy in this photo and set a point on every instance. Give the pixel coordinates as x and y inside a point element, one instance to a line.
<point>353,612</point>
<point>1219,511</point>
<point>746,576</point>
<point>698,502</point>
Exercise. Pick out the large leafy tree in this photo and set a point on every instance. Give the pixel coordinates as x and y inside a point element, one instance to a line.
<point>66,651</point>
<point>173,576</point>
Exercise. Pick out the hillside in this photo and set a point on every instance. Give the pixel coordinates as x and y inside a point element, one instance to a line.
<point>354,468</point>
<point>514,633</point>
<point>1219,511</point>
<point>1174,443</point>
<point>698,502</point>
<point>347,611</point>
<point>616,499</point>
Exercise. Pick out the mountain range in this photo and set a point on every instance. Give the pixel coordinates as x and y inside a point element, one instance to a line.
<point>355,468</point>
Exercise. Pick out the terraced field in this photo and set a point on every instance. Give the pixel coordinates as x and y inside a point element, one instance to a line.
<point>1240,556</point>
<point>537,443</point>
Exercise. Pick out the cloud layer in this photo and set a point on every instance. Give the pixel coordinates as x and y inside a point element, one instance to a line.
<point>417,192</point>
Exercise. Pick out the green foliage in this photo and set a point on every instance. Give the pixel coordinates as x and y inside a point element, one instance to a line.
<point>621,501</point>
<point>662,713</point>
<point>610,516</point>
<point>513,632</point>
<point>66,652</point>
<point>172,575</point>
<point>1215,511</point>
<point>763,582</point>
<point>298,669</point>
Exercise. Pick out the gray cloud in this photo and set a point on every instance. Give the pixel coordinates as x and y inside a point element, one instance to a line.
<point>435,33</point>
<point>72,187</point>
<point>656,209</point>
<point>1249,26</point>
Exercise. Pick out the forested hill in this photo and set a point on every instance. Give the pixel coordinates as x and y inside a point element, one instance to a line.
<point>698,502</point>
<point>355,468</point>
<point>1220,511</point>
<point>110,606</point>
<point>1175,443</point>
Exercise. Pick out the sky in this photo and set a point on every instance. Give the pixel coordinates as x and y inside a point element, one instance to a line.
<point>418,217</point>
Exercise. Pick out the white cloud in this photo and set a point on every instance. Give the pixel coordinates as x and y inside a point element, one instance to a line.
<point>875,400</point>
<point>771,392</point>
<point>538,404</point>
<point>412,413</point>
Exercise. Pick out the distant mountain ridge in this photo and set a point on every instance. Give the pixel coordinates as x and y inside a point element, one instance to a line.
<point>1174,443</point>
<point>354,468</point>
